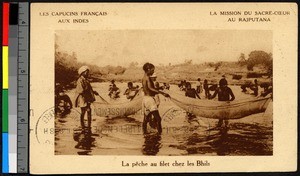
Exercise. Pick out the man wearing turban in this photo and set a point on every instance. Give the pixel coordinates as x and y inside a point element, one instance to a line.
<point>85,95</point>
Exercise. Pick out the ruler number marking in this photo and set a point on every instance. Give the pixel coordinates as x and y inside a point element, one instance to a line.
<point>22,76</point>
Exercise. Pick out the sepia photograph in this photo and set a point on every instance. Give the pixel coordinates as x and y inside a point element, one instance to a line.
<point>157,92</point>
<point>163,87</point>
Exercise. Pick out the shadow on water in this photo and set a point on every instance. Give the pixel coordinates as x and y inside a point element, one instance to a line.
<point>116,120</point>
<point>244,139</point>
<point>239,139</point>
<point>84,140</point>
<point>152,144</point>
<point>221,142</point>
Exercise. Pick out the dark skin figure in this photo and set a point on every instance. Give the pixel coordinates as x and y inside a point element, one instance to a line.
<point>255,88</point>
<point>191,92</point>
<point>149,90</point>
<point>224,94</point>
<point>205,87</point>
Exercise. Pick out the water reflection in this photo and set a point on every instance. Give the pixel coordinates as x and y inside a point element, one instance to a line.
<point>238,139</point>
<point>242,139</point>
<point>84,140</point>
<point>152,144</point>
<point>222,147</point>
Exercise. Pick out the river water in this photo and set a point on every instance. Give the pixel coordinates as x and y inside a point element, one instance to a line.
<point>252,135</point>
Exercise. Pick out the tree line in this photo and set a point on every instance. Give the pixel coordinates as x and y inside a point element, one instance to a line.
<point>66,69</point>
<point>256,58</point>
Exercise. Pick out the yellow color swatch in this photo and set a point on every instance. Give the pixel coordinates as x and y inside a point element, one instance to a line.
<point>5,67</point>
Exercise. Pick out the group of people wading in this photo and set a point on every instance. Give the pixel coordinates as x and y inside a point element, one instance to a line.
<point>85,95</point>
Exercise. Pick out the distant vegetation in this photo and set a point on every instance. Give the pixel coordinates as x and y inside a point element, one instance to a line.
<point>258,64</point>
<point>257,58</point>
<point>66,69</point>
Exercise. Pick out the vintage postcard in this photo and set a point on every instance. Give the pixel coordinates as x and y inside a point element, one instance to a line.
<point>163,87</point>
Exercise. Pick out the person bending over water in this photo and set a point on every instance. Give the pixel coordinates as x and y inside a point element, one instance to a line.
<point>131,91</point>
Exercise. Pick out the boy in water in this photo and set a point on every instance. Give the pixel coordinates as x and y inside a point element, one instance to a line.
<point>255,88</point>
<point>224,94</point>
<point>206,90</point>
<point>114,92</point>
<point>153,77</point>
<point>63,103</point>
<point>167,86</point>
<point>112,83</point>
<point>267,89</point>
<point>131,91</point>
<point>199,86</point>
<point>191,92</point>
<point>149,104</point>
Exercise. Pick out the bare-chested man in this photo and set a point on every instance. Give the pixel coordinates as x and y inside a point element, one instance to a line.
<point>149,104</point>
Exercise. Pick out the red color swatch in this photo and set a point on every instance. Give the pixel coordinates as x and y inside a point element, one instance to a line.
<point>5,24</point>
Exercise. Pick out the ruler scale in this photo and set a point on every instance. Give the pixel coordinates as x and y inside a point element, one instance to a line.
<point>22,89</point>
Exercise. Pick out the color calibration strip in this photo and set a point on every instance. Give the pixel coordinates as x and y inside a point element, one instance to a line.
<point>5,84</point>
<point>13,83</point>
<point>15,88</point>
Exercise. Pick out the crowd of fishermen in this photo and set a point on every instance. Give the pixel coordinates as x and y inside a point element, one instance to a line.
<point>248,88</point>
<point>267,88</point>
<point>221,90</point>
<point>85,95</point>
<point>131,91</point>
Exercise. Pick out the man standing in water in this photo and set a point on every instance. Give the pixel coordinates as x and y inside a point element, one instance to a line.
<point>224,94</point>
<point>255,88</point>
<point>199,86</point>
<point>149,104</point>
<point>84,96</point>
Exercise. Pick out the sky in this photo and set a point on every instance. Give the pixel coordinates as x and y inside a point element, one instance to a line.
<point>121,47</point>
